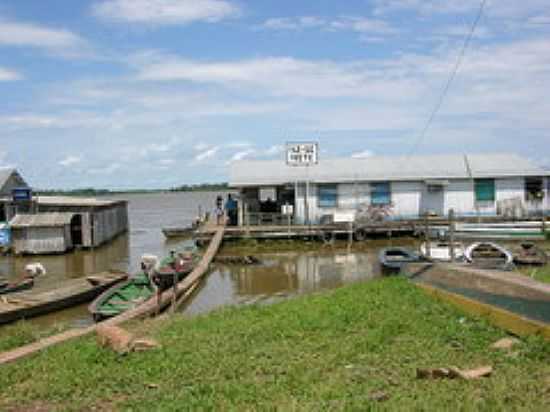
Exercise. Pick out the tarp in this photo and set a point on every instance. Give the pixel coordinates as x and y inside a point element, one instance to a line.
<point>5,235</point>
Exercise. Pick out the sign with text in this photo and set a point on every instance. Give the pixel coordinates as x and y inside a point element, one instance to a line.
<point>302,153</point>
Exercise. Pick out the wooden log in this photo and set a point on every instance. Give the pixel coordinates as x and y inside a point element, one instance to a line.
<point>114,337</point>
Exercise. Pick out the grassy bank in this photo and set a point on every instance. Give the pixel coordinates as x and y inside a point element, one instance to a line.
<point>542,273</point>
<point>335,350</point>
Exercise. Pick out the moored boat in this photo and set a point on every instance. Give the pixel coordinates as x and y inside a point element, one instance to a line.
<point>530,254</point>
<point>442,251</point>
<point>141,287</point>
<point>393,259</point>
<point>488,255</point>
<point>12,287</point>
<point>23,305</point>
<point>122,297</point>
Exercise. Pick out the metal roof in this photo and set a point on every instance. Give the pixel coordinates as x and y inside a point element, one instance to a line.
<point>379,168</point>
<point>5,173</point>
<point>75,201</point>
<point>41,220</point>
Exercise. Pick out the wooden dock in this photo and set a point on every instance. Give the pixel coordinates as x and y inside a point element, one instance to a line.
<point>360,231</point>
<point>149,308</point>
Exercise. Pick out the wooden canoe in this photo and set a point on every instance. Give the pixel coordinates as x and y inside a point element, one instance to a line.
<point>122,297</point>
<point>25,305</point>
<point>25,284</point>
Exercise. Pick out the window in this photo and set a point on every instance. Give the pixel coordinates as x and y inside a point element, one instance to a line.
<point>328,195</point>
<point>534,189</point>
<point>380,194</point>
<point>485,190</point>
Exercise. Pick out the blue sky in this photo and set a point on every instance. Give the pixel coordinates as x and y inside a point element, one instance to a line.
<point>156,93</point>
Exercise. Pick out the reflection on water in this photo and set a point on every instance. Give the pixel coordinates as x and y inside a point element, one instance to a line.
<point>148,213</point>
<point>280,276</point>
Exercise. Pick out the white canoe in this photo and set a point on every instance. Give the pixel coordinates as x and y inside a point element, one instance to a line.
<point>489,254</point>
<point>442,251</point>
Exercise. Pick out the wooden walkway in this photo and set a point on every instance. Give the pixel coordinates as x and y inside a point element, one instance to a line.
<point>150,307</point>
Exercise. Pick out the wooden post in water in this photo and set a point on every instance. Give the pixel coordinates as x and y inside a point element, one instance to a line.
<point>452,234</point>
<point>247,220</point>
<point>159,300</point>
<point>175,294</point>
<point>427,236</point>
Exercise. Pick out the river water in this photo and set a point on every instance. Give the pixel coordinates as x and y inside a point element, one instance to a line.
<point>276,277</point>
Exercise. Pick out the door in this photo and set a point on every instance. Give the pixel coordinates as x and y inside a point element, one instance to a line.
<point>433,200</point>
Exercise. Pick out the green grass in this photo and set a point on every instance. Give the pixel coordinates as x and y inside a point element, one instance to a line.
<point>22,333</point>
<point>327,351</point>
<point>540,273</point>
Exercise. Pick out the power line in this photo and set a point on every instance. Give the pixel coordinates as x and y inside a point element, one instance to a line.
<point>439,102</point>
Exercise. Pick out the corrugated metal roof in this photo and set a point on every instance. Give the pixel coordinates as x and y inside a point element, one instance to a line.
<point>376,168</point>
<point>41,220</point>
<point>75,201</point>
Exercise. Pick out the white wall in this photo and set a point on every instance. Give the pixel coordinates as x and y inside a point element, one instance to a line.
<point>405,197</point>
<point>459,195</point>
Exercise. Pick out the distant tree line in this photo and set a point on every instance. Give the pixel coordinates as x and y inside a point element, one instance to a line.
<point>90,191</point>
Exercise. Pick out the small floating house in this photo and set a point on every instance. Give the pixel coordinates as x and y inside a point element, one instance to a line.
<point>55,224</point>
<point>62,223</point>
<point>407,187</point>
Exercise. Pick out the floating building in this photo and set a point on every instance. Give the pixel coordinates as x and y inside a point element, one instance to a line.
<point>406,187</point>
<point>55,224</point>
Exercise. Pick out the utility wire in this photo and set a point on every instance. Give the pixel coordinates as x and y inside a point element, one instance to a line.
<point>459,60</point>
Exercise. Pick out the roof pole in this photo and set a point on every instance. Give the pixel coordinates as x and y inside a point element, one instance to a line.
<point>469,170</point>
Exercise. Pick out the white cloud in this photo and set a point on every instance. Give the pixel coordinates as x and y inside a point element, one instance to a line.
<point>512,9</point>
<point>165,11</point>
<point>70,160</point>
<point>288,23</point>
<point>362,155</point>
<point>33,35</point>
<point>274,150</point>
<point>7,75</point>
<point>241,155</point>
<point>206,154</point>
<point>105,170</point>
<point>343,23</point>
<point>295,77</point>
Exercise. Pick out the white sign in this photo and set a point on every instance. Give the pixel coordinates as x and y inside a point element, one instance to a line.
<point>302,153</point>
<point>287,210</point>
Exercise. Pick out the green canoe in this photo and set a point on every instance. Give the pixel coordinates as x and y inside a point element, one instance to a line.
<point>122,297</point>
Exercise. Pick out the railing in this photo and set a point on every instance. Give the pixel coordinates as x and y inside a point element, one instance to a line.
<point>267,218</point>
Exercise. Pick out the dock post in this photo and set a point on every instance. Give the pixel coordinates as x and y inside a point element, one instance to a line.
<point>175,294</point>
<point>159,294</point>
<point>427,236</point>
<point>247,220</point>
<point>350,236</point>
<point>452,234</point>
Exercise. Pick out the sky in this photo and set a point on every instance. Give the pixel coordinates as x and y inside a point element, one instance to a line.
<point>157,93</point>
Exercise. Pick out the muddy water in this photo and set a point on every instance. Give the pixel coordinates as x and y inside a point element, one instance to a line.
<point>278,275</point>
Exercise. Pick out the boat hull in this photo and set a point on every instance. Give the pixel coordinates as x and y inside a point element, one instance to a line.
<point>23,306</point>
<point>17,287</point>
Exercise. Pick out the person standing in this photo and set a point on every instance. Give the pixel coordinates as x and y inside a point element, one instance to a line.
<point>218,211</point>
<point>231,210</point>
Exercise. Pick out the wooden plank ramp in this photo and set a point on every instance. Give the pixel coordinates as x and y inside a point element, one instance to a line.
<point>148,308</point>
